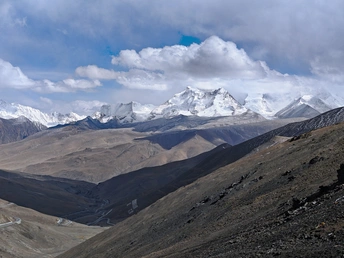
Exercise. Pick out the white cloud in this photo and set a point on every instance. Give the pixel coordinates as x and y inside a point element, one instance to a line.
<point>278,32</point>
<point>213,63</point>
<point>94,72</point>
<point>214,57</point>
<point>67,85</point>
<point>141,79</point>
<point>80,84</point>
<point>13,77</point>
<point>86,107</point>
<point>290,36</point>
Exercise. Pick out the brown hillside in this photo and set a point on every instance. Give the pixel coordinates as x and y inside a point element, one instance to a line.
<point>283,201</point>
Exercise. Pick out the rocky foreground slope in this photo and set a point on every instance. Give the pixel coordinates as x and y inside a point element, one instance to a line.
<point>284,200</point>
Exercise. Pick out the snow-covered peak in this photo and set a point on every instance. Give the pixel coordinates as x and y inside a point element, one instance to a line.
<point>329,99</point>
<point>272,103</point>
<point>306,98</point>
<point>125,113</point>
<point>65,118</point>
<point>14,110</point>
<point>261,103</point>
<point>313,102</point>
<point>305,106</point>
<point>207,103</point>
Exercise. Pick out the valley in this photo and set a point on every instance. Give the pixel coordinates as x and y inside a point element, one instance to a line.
<point>284,200</point>
<point>169,186</point>
<point>171,129</point>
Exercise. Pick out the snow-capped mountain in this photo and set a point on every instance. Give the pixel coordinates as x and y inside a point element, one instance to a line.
<point>190,102</point>
<point>306,106</point>
<point>206,103</point>
<point>292,104</point>
<point>13,110</point>
<point>261,103</point>
<point>58,118</point>
<point>125,113</point>
<point>329,99</point>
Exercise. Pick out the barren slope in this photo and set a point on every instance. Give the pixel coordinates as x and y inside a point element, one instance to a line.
<point>92,155</point>
<point>78,152</point>
<point>285,200</point>
<point>99,164</point>
<point>59,142</point>
<point>38,235</point>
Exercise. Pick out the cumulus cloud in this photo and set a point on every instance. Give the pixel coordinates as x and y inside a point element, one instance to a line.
<point>13,77</point>
<point>211,64</point>
<point>214,57</point>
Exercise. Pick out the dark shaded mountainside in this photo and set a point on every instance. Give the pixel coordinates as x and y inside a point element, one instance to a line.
<point>150,184</point>
<point>286,200</point>
<point>49,195</point>
<point>120,197</point>
<point>233,134</point>
<point>16,129</point>
<point>85,202</point>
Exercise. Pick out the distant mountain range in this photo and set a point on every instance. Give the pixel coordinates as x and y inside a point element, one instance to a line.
<point>191,102</point>
<point>218,103</point>
<point>14,110</point>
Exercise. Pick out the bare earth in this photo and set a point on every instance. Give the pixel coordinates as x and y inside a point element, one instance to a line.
<point>286,200</point>
<point>38,235</point>
<point>93,156</point>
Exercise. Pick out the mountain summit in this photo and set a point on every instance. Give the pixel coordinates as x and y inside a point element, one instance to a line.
<point>306,106</point>
<point>262,103</point>
<point>206,103</point>
<point>190,102</point>
<point>124,113</point>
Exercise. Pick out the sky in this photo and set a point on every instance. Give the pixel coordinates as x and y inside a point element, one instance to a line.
<point>76,55</point>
